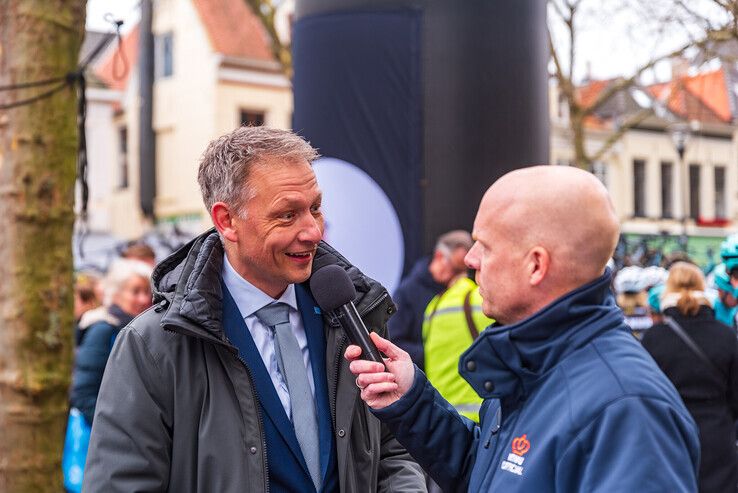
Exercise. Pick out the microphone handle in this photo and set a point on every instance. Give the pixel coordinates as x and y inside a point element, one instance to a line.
<point>357,332</point>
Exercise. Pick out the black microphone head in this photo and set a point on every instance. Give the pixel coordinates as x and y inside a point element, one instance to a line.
<point>332,287</point>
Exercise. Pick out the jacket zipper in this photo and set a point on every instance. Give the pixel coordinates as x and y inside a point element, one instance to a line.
<point>495,428</point>
<point>261,424</point>
<point>374,304</point>
<point>336,369</point>
<point>233,350</point>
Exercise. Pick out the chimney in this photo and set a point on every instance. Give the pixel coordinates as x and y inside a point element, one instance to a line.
<point>679,67</point>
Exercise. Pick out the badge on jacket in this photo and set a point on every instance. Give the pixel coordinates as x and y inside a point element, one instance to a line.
<point>514,463</point>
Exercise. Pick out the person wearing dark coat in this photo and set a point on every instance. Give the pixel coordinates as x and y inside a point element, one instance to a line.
<point>412,297</point>
<point>234,381</point>
<point>709,392</point>
<point>429,276</point>
<point>127,294</point>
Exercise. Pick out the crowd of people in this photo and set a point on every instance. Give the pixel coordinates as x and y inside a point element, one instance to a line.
<point>103,305</point>
<point>687,322</point>
<point>510,356</point>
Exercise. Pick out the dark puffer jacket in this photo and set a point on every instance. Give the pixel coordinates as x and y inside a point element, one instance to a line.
<point>178,410</point>
<point>412,297</point>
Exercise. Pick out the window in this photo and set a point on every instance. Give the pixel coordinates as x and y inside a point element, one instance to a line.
<point>639,188</point>
<point>599,169</point>
<point>164,55</point>
<point>720,209</point>
<point>694,191</point>
<point>252,118</point>
<point>562,108</point>
<point>667,189</point>
<point>123,158</point>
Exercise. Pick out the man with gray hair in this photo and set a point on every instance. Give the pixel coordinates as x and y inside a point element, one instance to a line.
<point>427,278</point>
<point>235,381</point>
<point>452,321</point>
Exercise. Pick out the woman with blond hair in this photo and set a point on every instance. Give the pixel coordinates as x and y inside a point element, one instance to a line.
<point>700,357</point>
<point>127,293</point>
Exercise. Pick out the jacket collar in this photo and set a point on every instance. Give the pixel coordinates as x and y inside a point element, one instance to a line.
<point>120,316</point>
<point>187,284</point>
<point>507,362</point>
<point>420,274</point>
<point>705,313</point>
<point>248,297</point>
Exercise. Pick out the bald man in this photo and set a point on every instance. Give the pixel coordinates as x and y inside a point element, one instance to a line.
<point>572,403</point>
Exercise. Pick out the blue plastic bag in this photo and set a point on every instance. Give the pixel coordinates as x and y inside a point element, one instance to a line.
<point>75,450</point>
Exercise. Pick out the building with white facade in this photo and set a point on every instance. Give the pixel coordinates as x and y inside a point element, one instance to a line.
<point>658,195</point>
<point>214,71</point>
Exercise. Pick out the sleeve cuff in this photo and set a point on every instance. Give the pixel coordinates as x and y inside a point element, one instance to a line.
<point>401,406</point>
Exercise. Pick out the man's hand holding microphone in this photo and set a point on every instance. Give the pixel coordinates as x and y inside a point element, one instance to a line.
<point>381,386</point>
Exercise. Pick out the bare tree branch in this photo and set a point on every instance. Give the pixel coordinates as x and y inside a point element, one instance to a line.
<point>266,11</point>
<point>565,83</point>
<point>613,138</point>
<point>624,83</point>
<point>572,37</point>
<point>700,30</point>
<point>558,10</point>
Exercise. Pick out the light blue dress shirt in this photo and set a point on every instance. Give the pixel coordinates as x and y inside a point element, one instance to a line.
<point>249,299</point>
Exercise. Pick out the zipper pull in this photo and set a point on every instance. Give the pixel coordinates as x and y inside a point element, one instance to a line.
<point>495,427</point>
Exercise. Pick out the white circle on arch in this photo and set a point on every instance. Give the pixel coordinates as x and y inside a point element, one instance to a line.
<point>360,220</point>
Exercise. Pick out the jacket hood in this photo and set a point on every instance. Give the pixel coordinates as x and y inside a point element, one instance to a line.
<point>508,361</point>
<point>188,285</point>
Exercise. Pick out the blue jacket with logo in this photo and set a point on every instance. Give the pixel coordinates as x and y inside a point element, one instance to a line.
<point>573,403</point>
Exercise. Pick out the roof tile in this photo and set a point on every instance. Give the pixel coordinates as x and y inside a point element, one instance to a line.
<point>233,29</point>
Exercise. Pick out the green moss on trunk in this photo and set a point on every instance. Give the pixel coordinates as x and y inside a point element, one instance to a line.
<point>39,39</point>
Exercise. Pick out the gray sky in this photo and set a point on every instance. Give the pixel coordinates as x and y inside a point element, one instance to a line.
<point>608,43</point>
<point>127,10</point>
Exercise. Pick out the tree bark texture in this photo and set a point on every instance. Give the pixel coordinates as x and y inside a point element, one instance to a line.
<point>39,39</point>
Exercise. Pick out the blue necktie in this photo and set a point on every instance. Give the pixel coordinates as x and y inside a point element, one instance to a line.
<point>292,367</point>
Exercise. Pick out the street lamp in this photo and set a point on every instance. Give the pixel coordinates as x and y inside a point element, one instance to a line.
<point>680,134</point>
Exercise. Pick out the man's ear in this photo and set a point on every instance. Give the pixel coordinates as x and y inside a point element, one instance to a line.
<point>538,262</point>
<point>224,221</point>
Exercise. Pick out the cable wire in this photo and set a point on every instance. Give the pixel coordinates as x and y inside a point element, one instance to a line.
<point>38,97</point>
<point>26,85</point>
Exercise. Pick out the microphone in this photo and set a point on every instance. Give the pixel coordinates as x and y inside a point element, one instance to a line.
<point>334,292</point>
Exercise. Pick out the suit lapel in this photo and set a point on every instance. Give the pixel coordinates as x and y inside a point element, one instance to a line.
<point>312,320</point>
<point>239,335</point>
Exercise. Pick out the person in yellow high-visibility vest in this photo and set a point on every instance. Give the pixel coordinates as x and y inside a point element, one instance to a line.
<point>453,319</point>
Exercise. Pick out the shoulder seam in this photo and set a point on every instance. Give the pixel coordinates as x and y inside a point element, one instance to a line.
<point>568,398</point>
<point>609,367</point>
<point>137,333</point>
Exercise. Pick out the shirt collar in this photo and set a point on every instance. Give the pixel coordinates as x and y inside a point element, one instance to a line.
<point>249,299</point>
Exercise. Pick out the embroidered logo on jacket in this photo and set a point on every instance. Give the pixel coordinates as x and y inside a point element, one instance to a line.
<point>514,463</point>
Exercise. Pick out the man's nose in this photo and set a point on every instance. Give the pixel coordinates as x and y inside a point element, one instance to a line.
<point>311,229</point>
<point>471,259</point>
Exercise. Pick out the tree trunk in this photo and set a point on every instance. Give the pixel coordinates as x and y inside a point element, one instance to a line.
<point>39,39</point>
